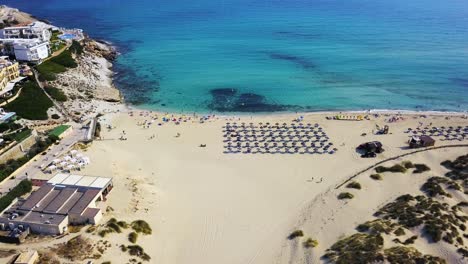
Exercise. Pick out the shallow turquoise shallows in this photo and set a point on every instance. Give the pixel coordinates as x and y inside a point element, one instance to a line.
<point>279,55</point>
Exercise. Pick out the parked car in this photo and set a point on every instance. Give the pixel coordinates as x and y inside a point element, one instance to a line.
<point>373,146</point>
<point>421,141</point>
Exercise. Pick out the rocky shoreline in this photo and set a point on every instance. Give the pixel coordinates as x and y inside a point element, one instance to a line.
<point>92,79</point>
<point>89,87</point>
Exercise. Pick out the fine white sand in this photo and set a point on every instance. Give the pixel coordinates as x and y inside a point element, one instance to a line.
<point>208,207</point>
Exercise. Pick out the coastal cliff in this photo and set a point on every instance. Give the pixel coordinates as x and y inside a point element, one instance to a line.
<point>12,16</point>
<point>88,84</point>
<point>92,78</point>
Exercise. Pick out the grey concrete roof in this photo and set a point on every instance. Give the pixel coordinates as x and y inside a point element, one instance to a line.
<point>91,212</point>
<point>84,201</point>
<point>37,217</point>
<point>70,203</point>
<point>36,197</point>
<point>60,200</point>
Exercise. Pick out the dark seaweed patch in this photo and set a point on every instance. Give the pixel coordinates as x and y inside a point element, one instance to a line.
<point>135,89</point>
<point>227,100</point>
<point>299,61</point>
<point>250,102</point>
<point>224,93</point>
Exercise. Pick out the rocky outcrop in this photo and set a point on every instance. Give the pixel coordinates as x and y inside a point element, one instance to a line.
<point>12,16</point>
<point>100,49</point>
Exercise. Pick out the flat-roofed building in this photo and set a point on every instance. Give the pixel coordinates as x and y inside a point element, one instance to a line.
<point>64,200</point>
<point>27,50</point>
<point>31,51</point>
<point>35,30</point>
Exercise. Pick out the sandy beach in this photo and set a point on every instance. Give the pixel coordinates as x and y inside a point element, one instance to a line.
<point>208,207</point>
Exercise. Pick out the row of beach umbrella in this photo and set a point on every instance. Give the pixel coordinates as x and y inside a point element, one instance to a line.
<point>295,138</point>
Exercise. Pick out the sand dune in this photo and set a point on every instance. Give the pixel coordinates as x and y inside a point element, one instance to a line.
<point>210,207</point>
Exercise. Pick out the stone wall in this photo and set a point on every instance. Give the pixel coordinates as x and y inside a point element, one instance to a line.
<point>19,150</point>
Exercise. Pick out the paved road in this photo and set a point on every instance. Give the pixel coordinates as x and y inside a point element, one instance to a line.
<point>34,167</point>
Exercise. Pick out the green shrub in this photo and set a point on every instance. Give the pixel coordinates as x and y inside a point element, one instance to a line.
<point>9,126</point>
<point>420,168</point>
<point>56,93</point>
<point>76,47</point>
<point>24,187</point>
<point>65,59</point>
<point>31,104</point>
<point>463,252</point>
<point>297,233</point>
<point>103,233</point>
<point>458,168</point>
<point>433,230</point>
<point>123,248</point>
<point>6,169</point>
<point>132,237</point>
<point>402,254</point>
<point>377,177</point>
<point>48,70</point>
<point>394,168</point>
<point>354,185</point>
<point>18,136</point>
<point>407,164</point>
<point>410,240</point>
<point>438,220</point>
<point>136,250</point>
<point>345,195</point>
<point>356,249</point>
<point>310,243</point>
<point>141,226</point>
<point>433,188</point>
<point>399,232</point>
<point>58,64</point>
<point>377,226</point>
<point>114,227</point>
<point>91,229</point>
<point>122,224</point>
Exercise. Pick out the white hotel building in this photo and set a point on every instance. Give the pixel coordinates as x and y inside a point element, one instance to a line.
<point>29,43</point>
<point>31,51</point>
<point>36,30</point>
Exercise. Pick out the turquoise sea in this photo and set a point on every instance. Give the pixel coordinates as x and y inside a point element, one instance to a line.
<point>279,55</point>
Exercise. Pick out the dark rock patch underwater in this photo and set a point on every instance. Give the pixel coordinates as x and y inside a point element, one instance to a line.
<point>229,100</point>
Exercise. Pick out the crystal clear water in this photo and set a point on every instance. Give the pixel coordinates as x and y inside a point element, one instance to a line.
<point>279,55</point>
